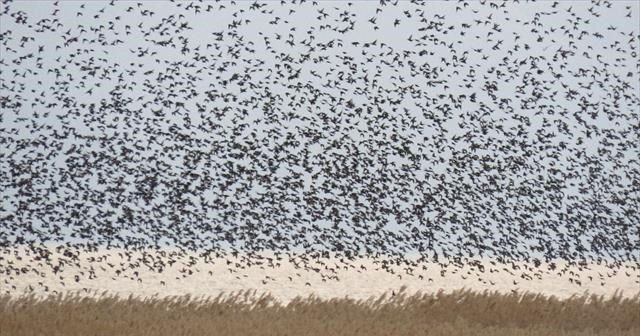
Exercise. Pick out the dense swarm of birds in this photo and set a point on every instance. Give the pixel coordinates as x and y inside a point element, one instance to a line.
<point>448,129</point>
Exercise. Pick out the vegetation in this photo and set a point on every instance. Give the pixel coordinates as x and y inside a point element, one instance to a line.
<point>246,313</point>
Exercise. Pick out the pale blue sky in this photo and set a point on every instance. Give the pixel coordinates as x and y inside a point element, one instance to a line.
<point>529,36</point>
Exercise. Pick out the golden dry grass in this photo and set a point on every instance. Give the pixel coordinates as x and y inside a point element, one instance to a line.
<point>459,313</point>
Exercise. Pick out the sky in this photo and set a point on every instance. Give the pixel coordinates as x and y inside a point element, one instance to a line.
<point>242,74</point>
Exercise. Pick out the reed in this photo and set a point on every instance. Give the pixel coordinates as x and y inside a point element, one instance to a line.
<point>248,313</point>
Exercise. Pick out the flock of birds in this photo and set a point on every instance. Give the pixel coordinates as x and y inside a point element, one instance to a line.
<point>453,130</point>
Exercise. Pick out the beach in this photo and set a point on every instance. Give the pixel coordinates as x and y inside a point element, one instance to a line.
<point>289,276</point>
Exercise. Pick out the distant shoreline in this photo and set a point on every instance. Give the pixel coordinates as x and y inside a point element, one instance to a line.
<point>150,273</point>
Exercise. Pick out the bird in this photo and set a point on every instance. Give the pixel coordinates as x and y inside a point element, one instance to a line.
<point>454,136</point>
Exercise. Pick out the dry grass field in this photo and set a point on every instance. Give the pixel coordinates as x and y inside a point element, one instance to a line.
<point>247,313</point>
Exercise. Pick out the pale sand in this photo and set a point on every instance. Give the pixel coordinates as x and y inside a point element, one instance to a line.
<point>362,280</point>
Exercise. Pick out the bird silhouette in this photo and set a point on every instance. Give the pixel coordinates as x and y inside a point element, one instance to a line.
<point>459,132</point>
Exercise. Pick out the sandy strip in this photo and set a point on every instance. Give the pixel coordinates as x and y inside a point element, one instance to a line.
<point>324,277</point>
